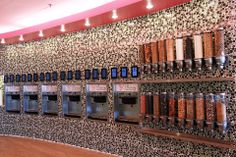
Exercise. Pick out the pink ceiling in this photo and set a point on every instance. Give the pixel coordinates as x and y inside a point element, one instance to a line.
<point>25,16</point>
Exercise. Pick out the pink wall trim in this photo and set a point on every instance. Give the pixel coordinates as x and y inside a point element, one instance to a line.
<point>90,13</point>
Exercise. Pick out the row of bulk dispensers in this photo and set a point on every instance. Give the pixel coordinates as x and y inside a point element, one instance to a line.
<point>203,111</point>
<point>196,51</point>
<point>189,52</point>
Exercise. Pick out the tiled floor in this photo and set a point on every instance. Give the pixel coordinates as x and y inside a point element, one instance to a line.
<point>21,147</point>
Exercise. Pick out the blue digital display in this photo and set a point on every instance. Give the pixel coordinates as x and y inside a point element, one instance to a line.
<point>95,74</point>
<point>29,77</point>
<point>63,75</point>
<point>87,74</point>
<point>48,76</point>
<point>11,78</point>
<point>124,72</point>
<point>23,77</point>
<point>54,76</point>
<point>134,71</point>
<point>41,77</point>
<point>5,78</point>
<point>70,75</point>
<point>104,73</point>
<point>17,78</point>
<point>114,72</point>
<point>77,75</point>
<point>35,77</point>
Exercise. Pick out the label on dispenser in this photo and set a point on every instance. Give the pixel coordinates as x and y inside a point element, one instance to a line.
<point>30,88</point>
<point>49,88</point>
<point>12,88</point>
<point>71,88</point>
<point>96,87</point>
<point>126,87</point>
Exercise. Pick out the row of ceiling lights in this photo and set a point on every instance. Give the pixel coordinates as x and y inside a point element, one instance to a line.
<point>149,5</point>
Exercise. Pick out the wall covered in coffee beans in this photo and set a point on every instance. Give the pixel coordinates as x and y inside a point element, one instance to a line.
<point>116,45</point>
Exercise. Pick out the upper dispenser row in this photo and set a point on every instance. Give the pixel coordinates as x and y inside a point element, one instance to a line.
<point>189,52</point>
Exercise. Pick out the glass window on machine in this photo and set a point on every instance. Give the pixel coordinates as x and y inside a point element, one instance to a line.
<point>100,99</point>
<point>74,98</point>
<point>129,100</point>
<point>33,97</point>
<point>52,98</point>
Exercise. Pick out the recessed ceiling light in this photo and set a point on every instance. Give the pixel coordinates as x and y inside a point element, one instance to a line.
<point>3,41</point>
<point>149,4</point>
<point>21,38</point>
<point>41,33</point>
<point>114,14</point>
<point>62,28</point>
<point>87,23</point>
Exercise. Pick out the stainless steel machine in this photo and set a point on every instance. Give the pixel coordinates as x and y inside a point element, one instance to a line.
<point>49,99</point>
<point>71,100</point>
<point>97,101</point>
<point>126,102</point>
<point>12,98</point>
<point>30,101</point>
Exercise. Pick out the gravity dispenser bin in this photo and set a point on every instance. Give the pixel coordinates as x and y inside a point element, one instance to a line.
<point>12,97</point>
<point>30,98</point>
<point>96,101</point>
<point>126,103</point>
<point>71,100</point>
<point>49,99</point>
